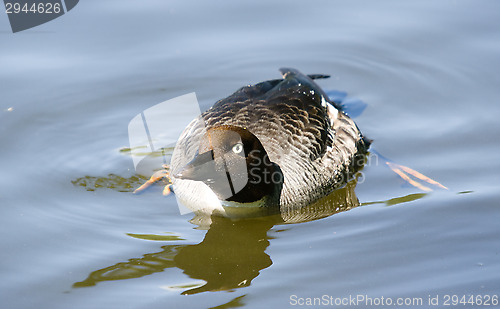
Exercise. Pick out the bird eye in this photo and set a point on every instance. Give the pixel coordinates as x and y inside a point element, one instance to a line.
<point>238,148</point>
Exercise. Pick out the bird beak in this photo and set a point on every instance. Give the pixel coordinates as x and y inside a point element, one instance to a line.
<point>201,168</point>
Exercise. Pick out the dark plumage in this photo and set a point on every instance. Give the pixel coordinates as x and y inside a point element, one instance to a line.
<point>307,138</point>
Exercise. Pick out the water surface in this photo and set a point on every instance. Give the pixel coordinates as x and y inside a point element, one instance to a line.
<point>429,73</point>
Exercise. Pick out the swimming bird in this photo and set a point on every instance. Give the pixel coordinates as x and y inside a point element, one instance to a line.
<point>279,144</point>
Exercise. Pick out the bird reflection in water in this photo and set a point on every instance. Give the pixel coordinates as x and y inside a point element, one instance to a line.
<point>232,253</point>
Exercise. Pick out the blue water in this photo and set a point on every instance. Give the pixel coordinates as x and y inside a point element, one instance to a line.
<point>427,71</point>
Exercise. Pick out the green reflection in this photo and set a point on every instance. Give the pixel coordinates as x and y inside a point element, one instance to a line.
<point>230,256</point>
<point>119,183</point>
<point>133,268</point>
<point>157,153</point>
<point>112,181</point>
<point>233,251</point>
<point>155,237</point>
<point>398,200</point>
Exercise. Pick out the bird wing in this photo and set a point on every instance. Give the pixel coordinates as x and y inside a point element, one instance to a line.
<point>291,110</point>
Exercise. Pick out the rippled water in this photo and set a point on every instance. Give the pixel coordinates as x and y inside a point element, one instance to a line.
<point>429,73</point>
